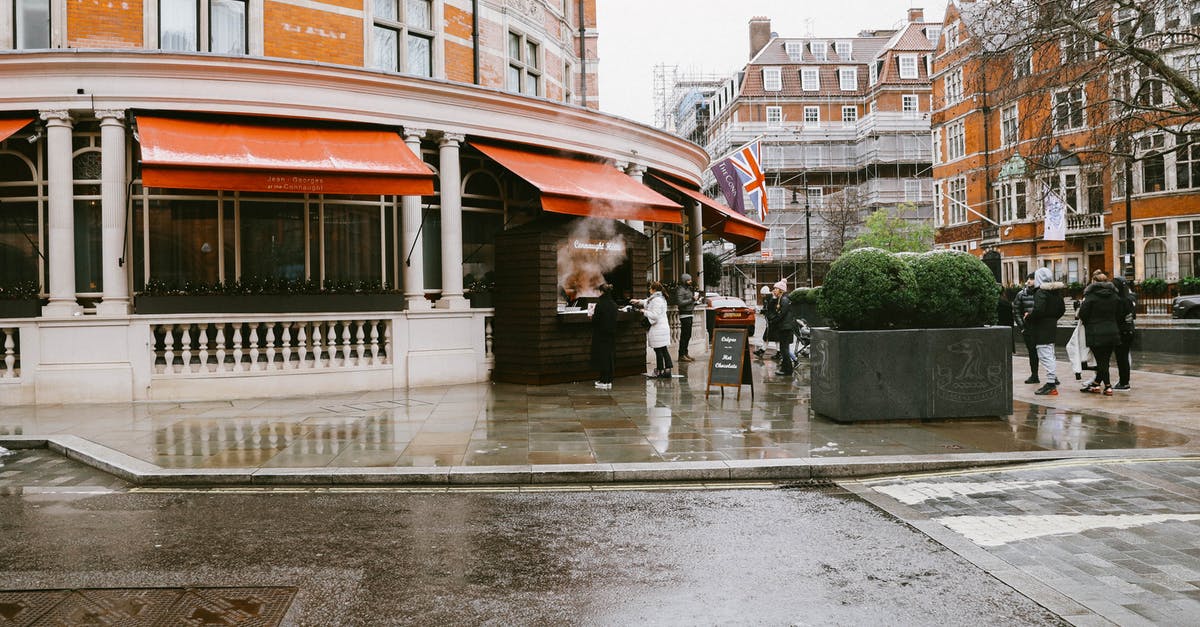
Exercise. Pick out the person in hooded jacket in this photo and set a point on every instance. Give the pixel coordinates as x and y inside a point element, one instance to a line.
<point>1126,326</point>
<point>658,336</point>
<point>1101,313</point>
<point>1042,322</point>
<point>1022,304</point>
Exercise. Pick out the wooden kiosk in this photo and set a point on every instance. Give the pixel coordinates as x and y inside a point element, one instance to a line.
<point>542,335</point>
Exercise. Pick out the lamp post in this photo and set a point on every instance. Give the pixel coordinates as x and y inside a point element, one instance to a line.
<point>807,231</point>
<point>1129,269</point>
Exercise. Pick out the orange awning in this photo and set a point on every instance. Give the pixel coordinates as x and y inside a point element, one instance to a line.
<point>585,188</point>
<point>744,232</point>
<point>8,127</point>
<point>278,157</point>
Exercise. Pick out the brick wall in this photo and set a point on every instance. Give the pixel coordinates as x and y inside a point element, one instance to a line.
<point>293,32</point>
<point>104,24</point>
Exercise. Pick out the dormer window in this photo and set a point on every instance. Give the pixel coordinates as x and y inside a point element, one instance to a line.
<point>848,78</point>
<point>794,49</point>
<point>845,49</point>
<point>772,79</point>
<point>951,32</point>
<point>810,79</point>
<point>908,66</point>
<point>819,50</point>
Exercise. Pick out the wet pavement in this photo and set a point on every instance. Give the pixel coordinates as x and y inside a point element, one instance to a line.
<point>639,420</point>
<point>1114,542</point>
<point>611,557</point>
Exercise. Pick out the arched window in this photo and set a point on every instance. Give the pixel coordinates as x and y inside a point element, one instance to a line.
<point>1155,259</point>
<point>21,202</point>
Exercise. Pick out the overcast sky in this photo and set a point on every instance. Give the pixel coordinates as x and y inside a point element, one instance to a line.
<point>713,36</point>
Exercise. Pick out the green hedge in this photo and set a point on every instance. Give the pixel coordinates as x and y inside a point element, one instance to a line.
<point>1189,285</point>
<point>868,288</point>
<point>956,289</point>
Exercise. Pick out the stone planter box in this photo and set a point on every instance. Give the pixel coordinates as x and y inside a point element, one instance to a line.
<point>911,373</point>
<point>267,303</point>
<point>481,300</point>
<point>20,307</point>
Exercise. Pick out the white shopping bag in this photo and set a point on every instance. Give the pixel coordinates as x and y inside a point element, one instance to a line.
<point>1078,353</point>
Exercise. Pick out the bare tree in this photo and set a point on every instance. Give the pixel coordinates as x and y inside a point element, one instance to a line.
<point>841,218</point>
<point>1109,72</point>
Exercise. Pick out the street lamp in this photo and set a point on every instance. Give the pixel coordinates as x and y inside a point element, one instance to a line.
<point>807,228</point>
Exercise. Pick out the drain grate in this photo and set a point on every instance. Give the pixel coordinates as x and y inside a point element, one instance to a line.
<point>263,606</point>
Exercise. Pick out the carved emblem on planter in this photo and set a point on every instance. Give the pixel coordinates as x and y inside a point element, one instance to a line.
<point>822,373</point>
<point>965,374</point>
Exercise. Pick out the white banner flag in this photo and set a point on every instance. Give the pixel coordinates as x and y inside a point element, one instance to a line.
<point>1055,226</point>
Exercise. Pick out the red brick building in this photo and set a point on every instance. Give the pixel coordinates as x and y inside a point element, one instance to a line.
<point>1004,134</point>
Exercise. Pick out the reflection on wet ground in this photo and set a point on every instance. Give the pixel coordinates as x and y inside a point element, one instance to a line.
<point>638,420</point>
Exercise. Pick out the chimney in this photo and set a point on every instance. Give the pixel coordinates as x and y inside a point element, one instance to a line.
<point>760,34</point>
<point>916,15</point>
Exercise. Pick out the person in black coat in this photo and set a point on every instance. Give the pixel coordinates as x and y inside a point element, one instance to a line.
<point>604,337</point>
<point>685,300</point>
<point>1126,326</point>
<point>1022,304</point>
<point>1100,313</point>
<point>1042,322</point>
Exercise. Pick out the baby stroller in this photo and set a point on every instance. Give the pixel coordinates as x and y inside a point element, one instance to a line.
<point>803,338</point>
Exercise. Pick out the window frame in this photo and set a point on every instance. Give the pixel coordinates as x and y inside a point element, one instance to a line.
<point>404,30</point>
<point>1010,125</point>
<point>806,74</point>
<point>848,74</point>
<point>772,78</point>
<point>777,118</point>
<point>813,119</point>
<point>956,140</point>
<point>956,209</point>
<point>822,46</point>
<point>853,119</point>
<point>15,23</point>
<point>1073,109</point>
<point>251,41</point>
<point>849,49</point>
<point>953,86</point>
<point>526,70</point>
<point>911,60</point>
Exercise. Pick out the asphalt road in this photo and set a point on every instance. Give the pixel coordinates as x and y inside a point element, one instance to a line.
<point>672,557</point>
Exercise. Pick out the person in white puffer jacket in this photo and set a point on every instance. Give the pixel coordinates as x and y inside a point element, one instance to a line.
<point>658,336</point>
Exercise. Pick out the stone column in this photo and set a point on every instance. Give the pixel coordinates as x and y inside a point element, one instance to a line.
<point>412,252</point>
<point>636,172</point>
<point>696,245</point>
<point>61,222</point>
<point>113,212</point>
<point>452,246</point>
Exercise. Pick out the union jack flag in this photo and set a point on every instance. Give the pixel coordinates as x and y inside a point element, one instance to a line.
<point>746,162</point>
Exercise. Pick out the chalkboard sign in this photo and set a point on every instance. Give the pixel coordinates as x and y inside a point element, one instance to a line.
<point>727,359</point>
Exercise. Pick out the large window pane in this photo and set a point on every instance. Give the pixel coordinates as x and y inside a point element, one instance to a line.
<point>419,14</point>
<point>178,27</point>
<point>352,248</point>
<point>386,52</point>
<point>227,26</point>
<point>479,241</point>
<point>89,274</point>
<point>272,240</point>
<point>18,242</point>
<point>33,24</point>
<point>386,10</point>
<point>420,61</point>
<point>183,241</point>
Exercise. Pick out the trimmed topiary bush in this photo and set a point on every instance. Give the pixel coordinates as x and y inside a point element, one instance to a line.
<point>1189,285</point>
<point>869,288</point>
<point>955,289</point>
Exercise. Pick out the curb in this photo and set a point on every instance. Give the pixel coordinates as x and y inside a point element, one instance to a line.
<point>144,474</point>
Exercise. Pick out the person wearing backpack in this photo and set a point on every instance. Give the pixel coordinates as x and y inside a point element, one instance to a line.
<point>1126,326</point>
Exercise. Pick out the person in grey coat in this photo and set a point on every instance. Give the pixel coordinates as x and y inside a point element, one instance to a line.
<point>685,299</point>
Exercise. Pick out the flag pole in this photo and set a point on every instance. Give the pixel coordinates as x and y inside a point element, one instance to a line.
<point>968,208</point>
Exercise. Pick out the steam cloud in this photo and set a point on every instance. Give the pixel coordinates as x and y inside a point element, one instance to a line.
<point>593,247</point>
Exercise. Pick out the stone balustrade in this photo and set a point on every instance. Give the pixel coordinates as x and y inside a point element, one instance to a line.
<point>10,347</point>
